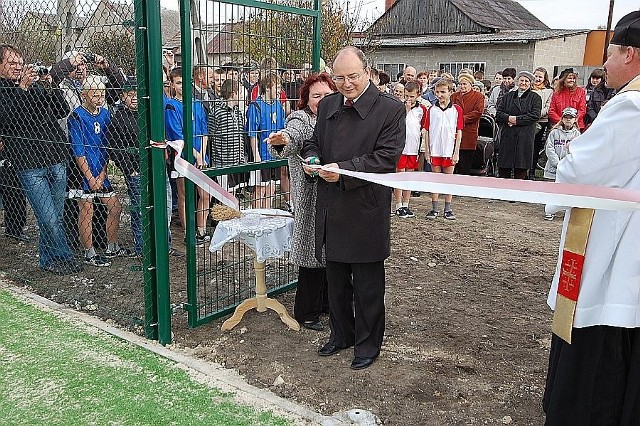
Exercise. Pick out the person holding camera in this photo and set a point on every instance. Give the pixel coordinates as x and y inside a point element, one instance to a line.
<point>34,144</point>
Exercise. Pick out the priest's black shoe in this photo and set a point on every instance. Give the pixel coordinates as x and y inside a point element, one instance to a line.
<point>361,362</point>
<point>329,349</point>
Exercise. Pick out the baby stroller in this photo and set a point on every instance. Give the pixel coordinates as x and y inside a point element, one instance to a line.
<point>485,161</point>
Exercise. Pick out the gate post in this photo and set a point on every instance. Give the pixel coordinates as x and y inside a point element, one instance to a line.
<point>153,179</point>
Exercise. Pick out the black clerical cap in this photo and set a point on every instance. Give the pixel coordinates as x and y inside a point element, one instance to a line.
<point>627,30</point>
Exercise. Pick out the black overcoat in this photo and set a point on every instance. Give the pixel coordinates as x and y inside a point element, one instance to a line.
<point>516,142</point>
<point>352,215</point>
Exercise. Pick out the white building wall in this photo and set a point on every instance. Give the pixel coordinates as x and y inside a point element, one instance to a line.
<point>560,52</point>
<point>496,56</point>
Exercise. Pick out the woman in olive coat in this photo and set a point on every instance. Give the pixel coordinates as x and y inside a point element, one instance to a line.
<point>517,116</point>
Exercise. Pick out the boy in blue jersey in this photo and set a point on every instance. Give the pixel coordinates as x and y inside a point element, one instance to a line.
<point>87,132</point>
<point>265,115</point>
<point>174,131</point>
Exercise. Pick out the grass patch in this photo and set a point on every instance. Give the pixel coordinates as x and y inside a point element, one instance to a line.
<point>57,372</point>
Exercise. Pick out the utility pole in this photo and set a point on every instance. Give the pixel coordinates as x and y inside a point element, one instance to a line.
<point>608,32</point>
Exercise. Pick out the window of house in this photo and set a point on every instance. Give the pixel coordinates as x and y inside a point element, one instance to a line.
<point>454,68</point>
<point>391,69</point>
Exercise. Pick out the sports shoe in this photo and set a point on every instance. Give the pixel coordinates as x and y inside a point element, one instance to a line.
<point>402,212</point>
<point>97,260</point>
<point>432,214</point>
<point>408,213</point>
<point>449,215</point>
<point>549,216</point>
<point>121,252</point>
<point>175,253</point>
<point>202,239</point>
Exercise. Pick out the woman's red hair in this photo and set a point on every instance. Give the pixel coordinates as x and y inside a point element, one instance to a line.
<point>314,78</point>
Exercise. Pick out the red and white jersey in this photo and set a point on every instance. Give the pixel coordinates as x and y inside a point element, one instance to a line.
<point>415,122</point>
<point>442,125</point>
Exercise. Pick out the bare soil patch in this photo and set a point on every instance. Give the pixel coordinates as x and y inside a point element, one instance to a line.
<point>467,335</point>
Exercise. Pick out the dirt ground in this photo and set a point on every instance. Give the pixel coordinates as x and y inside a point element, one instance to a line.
<point>467,326</point>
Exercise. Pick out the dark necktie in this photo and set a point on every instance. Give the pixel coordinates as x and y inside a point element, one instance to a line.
<point>348,103</point>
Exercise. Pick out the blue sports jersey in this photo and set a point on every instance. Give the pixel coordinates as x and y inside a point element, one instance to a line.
<point>173,122</point>
<point>87,133</point>
<point>262,119</point>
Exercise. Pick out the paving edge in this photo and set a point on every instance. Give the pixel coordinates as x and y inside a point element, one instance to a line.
<point>210,373</point>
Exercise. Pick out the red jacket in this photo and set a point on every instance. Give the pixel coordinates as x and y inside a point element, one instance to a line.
<point>566,98</point>
<point>472,104</point>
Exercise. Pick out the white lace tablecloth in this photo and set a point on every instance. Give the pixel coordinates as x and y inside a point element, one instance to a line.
<point>268,236</point>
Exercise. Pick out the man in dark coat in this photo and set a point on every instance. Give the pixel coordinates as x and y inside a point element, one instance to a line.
<point>358,129</point>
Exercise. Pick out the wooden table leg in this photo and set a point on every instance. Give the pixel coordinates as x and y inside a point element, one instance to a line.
<point>261,303</point>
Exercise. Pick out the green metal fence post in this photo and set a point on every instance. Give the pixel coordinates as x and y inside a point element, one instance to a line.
<point>156,264</point>
<point>187,129</point>
<point>317,38</point>
<point>144,134</point>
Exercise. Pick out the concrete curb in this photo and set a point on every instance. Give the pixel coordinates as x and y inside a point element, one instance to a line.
<point>209,373</point>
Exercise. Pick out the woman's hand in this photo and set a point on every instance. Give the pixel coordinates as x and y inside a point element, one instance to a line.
<point>278,139</point>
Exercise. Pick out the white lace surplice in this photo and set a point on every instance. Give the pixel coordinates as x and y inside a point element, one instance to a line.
<point>268,236</point>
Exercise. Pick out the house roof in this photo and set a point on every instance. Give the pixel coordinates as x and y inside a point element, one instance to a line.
<point>519,36</point>
<point>420,17</point>
<point>225,41</point>
<point>169,19</point>
<point>51,19</point>
<point>499,14</point>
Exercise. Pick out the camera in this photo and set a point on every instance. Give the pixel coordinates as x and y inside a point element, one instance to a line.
<point>39,68</point>
<point>90,58</point>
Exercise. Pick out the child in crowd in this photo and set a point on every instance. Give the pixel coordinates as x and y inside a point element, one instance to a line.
<point>175,131</point>
<point>557,146</point>
<point>398,91</point>
<point>265,115</point>
<point>87,132</point>
<point>443,125</point>
<point>226,124</point>
<point>123,141</point>
<point>415,125</point>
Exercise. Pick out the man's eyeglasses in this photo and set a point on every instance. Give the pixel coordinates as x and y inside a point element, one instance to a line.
<point>351,78</point>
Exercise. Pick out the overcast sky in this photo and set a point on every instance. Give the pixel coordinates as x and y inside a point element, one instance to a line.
<point>557,14</point>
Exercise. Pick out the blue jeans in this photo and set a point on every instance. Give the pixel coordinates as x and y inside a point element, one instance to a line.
<point>133,188</point>
<point>45,190</point>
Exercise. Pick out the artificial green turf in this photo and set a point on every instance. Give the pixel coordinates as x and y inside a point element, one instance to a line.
<point>56,372</point>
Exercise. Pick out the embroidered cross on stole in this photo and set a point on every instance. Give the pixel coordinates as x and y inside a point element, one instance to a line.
<point>575,246</point>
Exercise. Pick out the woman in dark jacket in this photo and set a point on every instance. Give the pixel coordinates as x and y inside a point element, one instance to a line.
<point>599,96</point>
<point>517,115</point>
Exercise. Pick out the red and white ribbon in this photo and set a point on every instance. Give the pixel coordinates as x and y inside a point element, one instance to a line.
<point>203,181</point>
<point>528,191</point>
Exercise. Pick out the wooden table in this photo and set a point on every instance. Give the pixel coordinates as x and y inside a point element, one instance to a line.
<point>268,237</point>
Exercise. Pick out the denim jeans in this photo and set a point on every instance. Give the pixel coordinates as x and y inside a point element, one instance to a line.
<point>45,189</point>
<point>133,188</point>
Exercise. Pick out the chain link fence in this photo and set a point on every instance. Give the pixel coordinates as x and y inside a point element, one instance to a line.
<point>78,183</point>
<point>70,179</point>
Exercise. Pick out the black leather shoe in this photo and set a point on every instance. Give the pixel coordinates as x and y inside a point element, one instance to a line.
<point>360,362</point>
<point>329,349</point>
<point>313,325</point>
